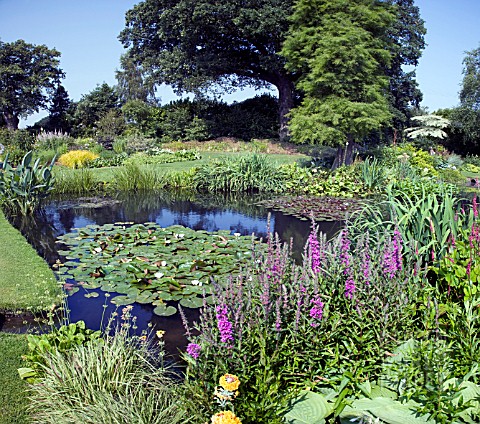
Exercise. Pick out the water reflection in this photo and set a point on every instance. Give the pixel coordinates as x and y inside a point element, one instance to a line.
<point>238,214</point>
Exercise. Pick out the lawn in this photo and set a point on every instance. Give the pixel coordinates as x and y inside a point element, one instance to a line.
<point>106,174</point>
<point>26,281</point>
<point>13,399</point>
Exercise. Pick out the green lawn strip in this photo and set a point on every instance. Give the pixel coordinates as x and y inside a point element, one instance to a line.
<point>26,281</point>
<point>107,174</point>
<point>13,397</point>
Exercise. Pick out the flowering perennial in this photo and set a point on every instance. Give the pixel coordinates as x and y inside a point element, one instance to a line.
<point>224,325</point>
<point>225,417</point>
<point>193,350</point>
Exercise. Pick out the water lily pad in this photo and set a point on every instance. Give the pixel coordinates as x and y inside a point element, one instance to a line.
<point>164,311</point>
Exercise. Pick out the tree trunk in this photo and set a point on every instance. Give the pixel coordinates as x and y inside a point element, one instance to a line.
<point>345,155</point>
<point>285,89</point>
<point>11,120</point>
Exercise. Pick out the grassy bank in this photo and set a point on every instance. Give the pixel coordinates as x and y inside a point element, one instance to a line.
<point>26,281</point>
<point>13,399</point>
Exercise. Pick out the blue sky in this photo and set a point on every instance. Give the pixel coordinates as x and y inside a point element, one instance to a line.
<point>85,32</point>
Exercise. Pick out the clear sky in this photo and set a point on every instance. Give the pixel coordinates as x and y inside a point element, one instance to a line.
<point>85,32</point>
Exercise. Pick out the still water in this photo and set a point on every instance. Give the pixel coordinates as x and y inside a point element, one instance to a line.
<point>238,214</point>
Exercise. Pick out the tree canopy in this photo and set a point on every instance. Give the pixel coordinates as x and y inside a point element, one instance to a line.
<point>200,45</point>
<point>467,116</point>
<point>338,49</point>
<point>29,76</point>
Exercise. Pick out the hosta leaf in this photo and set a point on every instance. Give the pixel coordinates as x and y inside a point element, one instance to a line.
<point>308,408</point>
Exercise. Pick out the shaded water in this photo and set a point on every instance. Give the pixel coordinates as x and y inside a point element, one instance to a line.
<point>237,214</point>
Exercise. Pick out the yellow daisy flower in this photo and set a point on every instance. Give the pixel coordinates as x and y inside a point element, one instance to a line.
<point>229,382</point>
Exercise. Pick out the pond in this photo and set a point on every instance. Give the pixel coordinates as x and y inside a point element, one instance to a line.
<point>236,214</point>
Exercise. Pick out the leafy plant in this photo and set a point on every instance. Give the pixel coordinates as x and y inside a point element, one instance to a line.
<point>16,143</point>
<point>59,340</point>
<point>23,187</point>
<point>74,181</point>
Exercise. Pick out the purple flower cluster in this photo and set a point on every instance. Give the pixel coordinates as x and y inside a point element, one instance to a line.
<point>314,251</point>
<point>392,258</point>
<point>316,312</point>
<point>224,325</point>
<point>346,262</point>
<point>193,350</point>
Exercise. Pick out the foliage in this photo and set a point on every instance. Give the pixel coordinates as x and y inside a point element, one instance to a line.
<point>467,116</point>
<point>429,126</point>
<point>267,323</point>
<point>252,172</point>
<point>129,386</point>
<point>126,260</point>
<point>340,53</point>
<point>343,182</point>
<point>60,340</point>
<point>425,219</point>
<point>132,177</point>
<point>458,270</point>
<point>373,174</point>
<point>77,158</point>
<point>52,140</point>
<point>196,45</point>
<point>407,41</point>
<point>29,76</point>
<point>15,143</point>
<point>104,161</point>
<point>110,125</point>
<point>157,156</point>
<point>22,188</point>
<point>76,181</point>
<point>92,107</point>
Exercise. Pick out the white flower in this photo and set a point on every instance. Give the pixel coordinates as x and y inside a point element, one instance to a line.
<point>236,234</point>
<point>163,263</point>
<point>98,249</point>
<point>159,275</point>
<point>197,283</point>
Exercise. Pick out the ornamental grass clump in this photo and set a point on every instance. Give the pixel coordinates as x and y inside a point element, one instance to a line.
<point>282,327</point>
<point>77,158</point>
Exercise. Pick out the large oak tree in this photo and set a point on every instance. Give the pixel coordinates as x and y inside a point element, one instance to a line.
<point>196,45</point>
<point>29,76</point>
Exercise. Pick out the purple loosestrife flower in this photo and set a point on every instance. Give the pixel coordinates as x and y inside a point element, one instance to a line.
<point>224,325</point>
<point>316,311</point>
<point>350,288</point>
<point>314,251</point>
<point>193,350</point>
<point>346,262</point>
<point>392,258</point>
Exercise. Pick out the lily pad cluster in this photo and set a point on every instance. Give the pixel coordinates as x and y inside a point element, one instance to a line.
<point>320,208</point>
<point>146,263</point>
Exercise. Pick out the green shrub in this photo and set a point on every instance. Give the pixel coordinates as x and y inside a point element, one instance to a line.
<point>159,156</point>
<point>133,178</point>
<point>16,143</point>
<point>22,188</point>
<point>110,160</point>
<point>77,158</point>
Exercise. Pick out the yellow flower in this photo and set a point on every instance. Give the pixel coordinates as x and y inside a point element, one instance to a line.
<point>160,333</point>
<point>225,417</point>
<point>229,382</point>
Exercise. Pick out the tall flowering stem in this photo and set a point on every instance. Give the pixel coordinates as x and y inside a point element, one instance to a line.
<point>224,325</point>
<point>345,259</point>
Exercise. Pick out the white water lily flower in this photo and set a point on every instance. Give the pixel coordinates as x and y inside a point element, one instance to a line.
<point>98,249</point>
<point>197,283</point>
<point>236,234</point>
<point>159,275</point>
<point>163,263</point>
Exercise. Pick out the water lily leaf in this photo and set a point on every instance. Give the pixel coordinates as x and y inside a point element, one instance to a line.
<point>123,300</point>
<point>91,294</point>
<point>191,302</point>
<point>164,310</point>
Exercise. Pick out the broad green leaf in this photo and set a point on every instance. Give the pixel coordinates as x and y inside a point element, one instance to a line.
<point>308,408</point>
